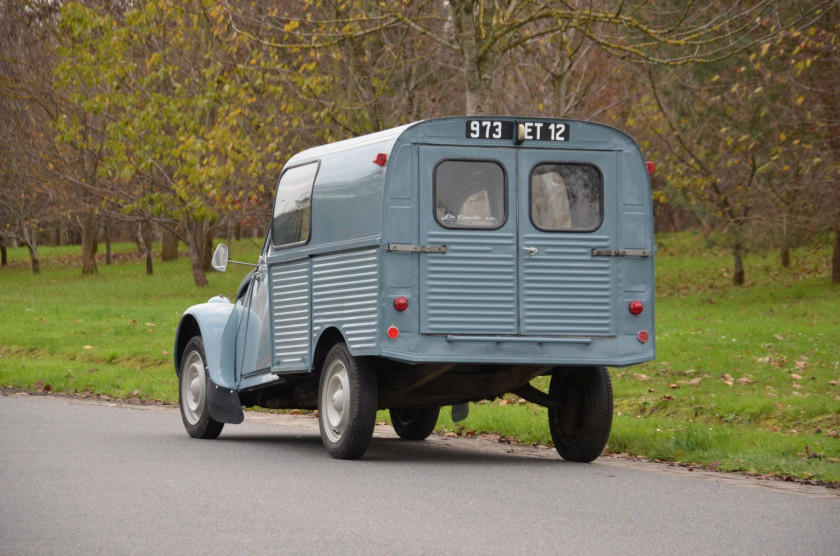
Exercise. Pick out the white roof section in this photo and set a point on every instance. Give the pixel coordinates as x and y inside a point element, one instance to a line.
<point>385,136</point>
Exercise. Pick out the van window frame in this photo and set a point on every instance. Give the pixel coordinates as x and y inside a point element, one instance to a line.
<point>278,247</point>
<point>505,194</point>
<point>566,230</point>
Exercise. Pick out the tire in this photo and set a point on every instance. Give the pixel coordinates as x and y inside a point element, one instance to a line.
<point>414,424</point>
<point>581,427</point>
<point>346,403</point>
<point>192,392</point>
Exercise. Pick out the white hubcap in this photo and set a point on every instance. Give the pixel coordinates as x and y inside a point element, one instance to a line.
<point>193,388</point>
<point>336,396</point>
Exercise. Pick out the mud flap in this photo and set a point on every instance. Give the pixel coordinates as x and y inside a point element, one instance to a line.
<point>223,404</point>
<point>460,412</point>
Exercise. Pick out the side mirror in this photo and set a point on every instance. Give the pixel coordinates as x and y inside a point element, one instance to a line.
<point>220,257</point>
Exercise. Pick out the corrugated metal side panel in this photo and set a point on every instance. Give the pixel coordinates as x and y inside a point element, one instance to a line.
<point>472,288</point>
<point>291,315</point>
<point>565,291</point>
<point>345,293</point>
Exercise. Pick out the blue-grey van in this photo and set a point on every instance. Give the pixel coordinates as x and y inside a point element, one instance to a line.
<point>436,264</point>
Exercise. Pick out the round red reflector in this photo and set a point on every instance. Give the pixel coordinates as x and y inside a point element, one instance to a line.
<point>643,336</point>
<point>400,303</point>
<point>636,307</point>
<point>393,332</point>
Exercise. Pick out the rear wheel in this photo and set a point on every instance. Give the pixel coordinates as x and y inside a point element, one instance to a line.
<point>192,392</point>
<point>346,403</point>
<point>414,424</point>
<point>581,425</point>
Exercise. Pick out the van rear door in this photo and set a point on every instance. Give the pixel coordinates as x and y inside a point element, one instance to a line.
<point>567,209</point>
<point>468,195</point>
<point>520,226</point>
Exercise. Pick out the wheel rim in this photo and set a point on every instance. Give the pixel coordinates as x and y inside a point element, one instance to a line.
<point>336,400</point>
<point>193,388</point>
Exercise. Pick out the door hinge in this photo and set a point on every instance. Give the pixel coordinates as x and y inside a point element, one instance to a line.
<point>402,248</point>
<point>621,252</point>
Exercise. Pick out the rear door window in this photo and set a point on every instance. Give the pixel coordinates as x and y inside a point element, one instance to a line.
<point>470,194</point>
<point>292,206</point>
<point>566,197</point>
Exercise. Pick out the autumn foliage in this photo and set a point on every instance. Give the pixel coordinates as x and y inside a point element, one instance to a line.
<point>178,116</point>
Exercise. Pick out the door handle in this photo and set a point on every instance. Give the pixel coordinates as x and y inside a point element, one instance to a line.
<point>531,250</point>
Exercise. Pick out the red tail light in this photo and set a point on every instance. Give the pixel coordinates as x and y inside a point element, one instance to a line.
<point>636,307</point>
<point>400,303</point>
<point>650,167</point>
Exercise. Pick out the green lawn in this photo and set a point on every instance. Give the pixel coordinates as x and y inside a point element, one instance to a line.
<point>745,379</point>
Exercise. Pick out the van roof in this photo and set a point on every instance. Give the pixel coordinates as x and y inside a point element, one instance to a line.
<point>388,137</point>
<point>591,135</point>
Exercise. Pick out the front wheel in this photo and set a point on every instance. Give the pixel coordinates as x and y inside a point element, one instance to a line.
<point>414,424</point>
<point>192,392</point>
<point>346,403</point>
<point>581,425</point>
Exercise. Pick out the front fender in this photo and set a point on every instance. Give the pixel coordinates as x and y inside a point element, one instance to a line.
<point>217,322</point>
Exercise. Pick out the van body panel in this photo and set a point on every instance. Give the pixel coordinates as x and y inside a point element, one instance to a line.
<point>536,269</point>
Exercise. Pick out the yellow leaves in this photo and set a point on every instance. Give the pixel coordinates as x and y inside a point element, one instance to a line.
<point>782,137</point>
<point>764,48</point>
<point>291,26</point>
<point>800,99</point>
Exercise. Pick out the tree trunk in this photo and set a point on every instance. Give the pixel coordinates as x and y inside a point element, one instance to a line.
<point>90,242</point>
<point>738,276</point>
<point>143,237</point>
<point>197,234</point>
<point>835,260</point>
<point>109,258</point>
<point>4,256</point>
<point>169,249</point>
<point>29,238</point>
<point>479,63</point>
<point>785,255</point>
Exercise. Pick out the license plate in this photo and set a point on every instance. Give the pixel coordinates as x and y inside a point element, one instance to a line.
<point>527,130</point>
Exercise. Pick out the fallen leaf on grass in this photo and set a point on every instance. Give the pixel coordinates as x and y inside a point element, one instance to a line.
<point>763,359</point>
<point>641,377</point>
<point>450,434</point>
<point>801,364</point>
<point>667,397</point>
<point>744,381</point>
<point>87,347</point>
<point>832,434</point>
<point>727,379</point>
<point>795,376</point>
<point>673,386</point>
<point>779,337</point>
<point>136,393</point>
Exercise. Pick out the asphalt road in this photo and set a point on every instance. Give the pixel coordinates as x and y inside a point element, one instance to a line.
<point>85,478</point>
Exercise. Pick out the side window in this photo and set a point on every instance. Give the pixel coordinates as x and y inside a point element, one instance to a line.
<point>566,197</point>
<point>292,214</point>
<point>470,194</point>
